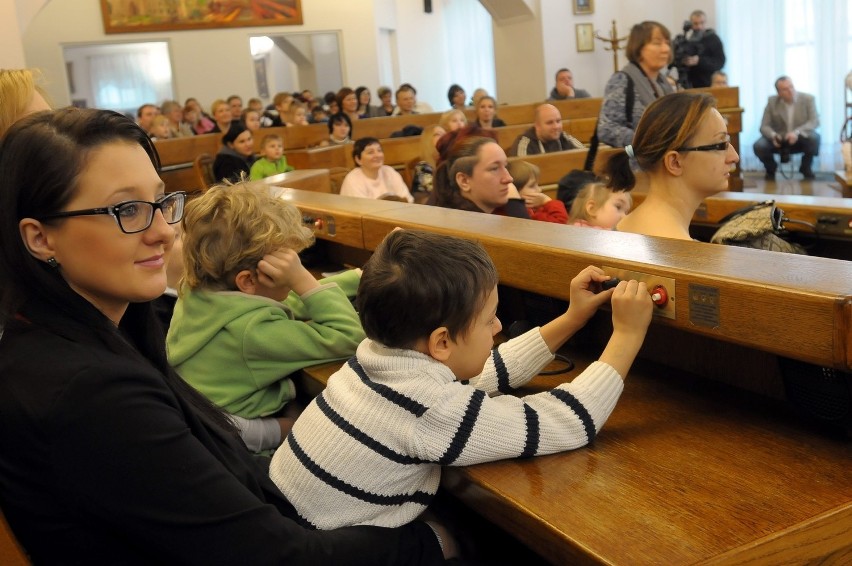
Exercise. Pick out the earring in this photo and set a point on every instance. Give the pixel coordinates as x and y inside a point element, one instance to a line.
<point>51,261</point>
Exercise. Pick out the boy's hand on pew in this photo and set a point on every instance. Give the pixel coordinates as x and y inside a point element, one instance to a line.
<point>632,309</point>
<point>586,297</point>
<point>282,269</point>
<point>587,294</point>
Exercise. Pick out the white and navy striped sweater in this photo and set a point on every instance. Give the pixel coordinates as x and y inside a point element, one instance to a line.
<point>369,449</point>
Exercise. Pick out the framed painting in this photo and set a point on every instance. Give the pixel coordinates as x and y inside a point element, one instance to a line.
<point>129,16</point>
<point>582,7</point>
<point>585,38</point>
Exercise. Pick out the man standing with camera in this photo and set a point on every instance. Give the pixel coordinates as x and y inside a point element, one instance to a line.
<point>788,126</point>
<point>701,53</point>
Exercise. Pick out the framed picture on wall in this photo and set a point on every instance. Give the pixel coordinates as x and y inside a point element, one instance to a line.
<point>121,16</point>
<point>584,6</point>
<point>585,38</point>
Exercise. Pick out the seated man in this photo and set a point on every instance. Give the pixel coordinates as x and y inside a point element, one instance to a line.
<point>789,123</point>
<point>564,88</point>
<point>407,103</point>
<point>546,135</point>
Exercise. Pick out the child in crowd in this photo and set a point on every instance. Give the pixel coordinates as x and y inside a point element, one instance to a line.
<point>598,206</point>
<point>539,205</point>
<point>160,128</point>
<point>272,160</point>
<point>416,396</point>
<point>248,313</point>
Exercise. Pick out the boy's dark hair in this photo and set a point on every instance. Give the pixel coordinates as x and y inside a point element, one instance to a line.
<point>418,281</point>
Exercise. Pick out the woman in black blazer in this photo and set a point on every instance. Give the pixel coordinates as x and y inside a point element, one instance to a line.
<point>106,455</point>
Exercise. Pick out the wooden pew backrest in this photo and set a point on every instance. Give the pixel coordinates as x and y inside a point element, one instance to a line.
<point>794,306</point>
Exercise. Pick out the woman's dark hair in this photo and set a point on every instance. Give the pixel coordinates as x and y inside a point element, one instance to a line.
<point>337,119</point>
<point>454,88</point>
<point>233,132</point>
<point>667,124</point>
<point>640,36</point>
<point>41,159</point>
<point>418,281</point>
<point>362,144</point>
<point>358,92</point>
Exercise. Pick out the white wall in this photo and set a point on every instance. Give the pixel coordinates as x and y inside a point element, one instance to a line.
<point>207,64</point>
<point>211,64</point>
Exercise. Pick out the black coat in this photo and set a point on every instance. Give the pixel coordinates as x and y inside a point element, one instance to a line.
<point>103,461</point>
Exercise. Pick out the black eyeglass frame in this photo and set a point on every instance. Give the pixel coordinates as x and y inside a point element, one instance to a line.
<point>114,211</point>
<point>718,146</point>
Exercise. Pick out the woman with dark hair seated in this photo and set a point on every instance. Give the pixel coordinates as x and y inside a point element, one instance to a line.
<point>237,154</point>
<point>107,454</point>
<point>372,178</point>
<point>472,175</point>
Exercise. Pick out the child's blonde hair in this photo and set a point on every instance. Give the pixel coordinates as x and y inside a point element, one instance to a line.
<point>522,171</point>
<point>269,138</point>
<point>444,121</point>
<point>596,193</point>
<point>231,227</point>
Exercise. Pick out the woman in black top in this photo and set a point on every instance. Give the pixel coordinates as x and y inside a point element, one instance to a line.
<point>106,455</point>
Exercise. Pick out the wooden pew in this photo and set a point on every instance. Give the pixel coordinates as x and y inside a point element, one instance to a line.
<point>686,470</point>
<point>750,282</point>
<point>553,166</point>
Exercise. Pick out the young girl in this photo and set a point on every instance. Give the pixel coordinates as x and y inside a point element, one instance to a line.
<point>598,206</point>
<point>539,205</point>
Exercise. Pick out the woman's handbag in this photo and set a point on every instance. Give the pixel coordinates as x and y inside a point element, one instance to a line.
<point>756,226</point>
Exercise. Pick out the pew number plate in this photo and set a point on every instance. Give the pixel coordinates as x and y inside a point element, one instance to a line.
<point>662,288</point>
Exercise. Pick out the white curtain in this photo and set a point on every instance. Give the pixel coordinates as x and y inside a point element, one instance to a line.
<point>470,45</point>
<point>125,80</point>
<point>808,40</point>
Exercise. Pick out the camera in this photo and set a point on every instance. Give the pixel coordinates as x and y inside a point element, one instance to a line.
<point>784,151</point>
<point>684,48</point>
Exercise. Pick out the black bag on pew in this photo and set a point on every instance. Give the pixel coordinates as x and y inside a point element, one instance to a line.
<point>759,226</point>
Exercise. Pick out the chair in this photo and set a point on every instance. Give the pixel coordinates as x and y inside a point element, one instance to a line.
<point>336,176</point>
<point>203,167</point>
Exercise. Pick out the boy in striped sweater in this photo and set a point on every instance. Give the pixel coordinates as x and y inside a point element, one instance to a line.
<point>417,394</point>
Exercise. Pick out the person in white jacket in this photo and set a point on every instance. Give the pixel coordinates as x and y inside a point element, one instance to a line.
<point>416,395</point>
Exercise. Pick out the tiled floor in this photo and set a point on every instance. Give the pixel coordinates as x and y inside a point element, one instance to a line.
<point>823,186</point>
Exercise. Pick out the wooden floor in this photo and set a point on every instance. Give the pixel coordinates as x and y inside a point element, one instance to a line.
<point>823,186</point>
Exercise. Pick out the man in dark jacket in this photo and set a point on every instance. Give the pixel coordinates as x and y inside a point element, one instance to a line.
<point>564,88</point>
<point>709,55</point>
<point>546,135</point>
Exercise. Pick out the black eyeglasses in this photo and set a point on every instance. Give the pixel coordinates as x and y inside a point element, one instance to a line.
<point>720,146</point>
<point>134,216</point>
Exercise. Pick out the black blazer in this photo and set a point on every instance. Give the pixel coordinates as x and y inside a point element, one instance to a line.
<point>102,461</point>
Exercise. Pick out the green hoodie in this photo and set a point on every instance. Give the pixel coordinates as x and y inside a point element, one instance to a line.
<point>238,349</point>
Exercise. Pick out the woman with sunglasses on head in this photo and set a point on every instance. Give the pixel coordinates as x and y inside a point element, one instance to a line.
<point>683,150</point>
<point>105,453</point>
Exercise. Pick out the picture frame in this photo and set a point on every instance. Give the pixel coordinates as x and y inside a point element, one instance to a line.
<point>120,16</point>
<point>585,38</point>
<point>584,7</point>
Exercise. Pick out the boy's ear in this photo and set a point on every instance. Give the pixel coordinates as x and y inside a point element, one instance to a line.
<point>440,345</point>
<point>590,208</point>
<point>36,239</point>
<point>246,282</point>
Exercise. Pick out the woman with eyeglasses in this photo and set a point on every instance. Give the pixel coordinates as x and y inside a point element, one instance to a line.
<point>683,151</point>
<point>106,455</point>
